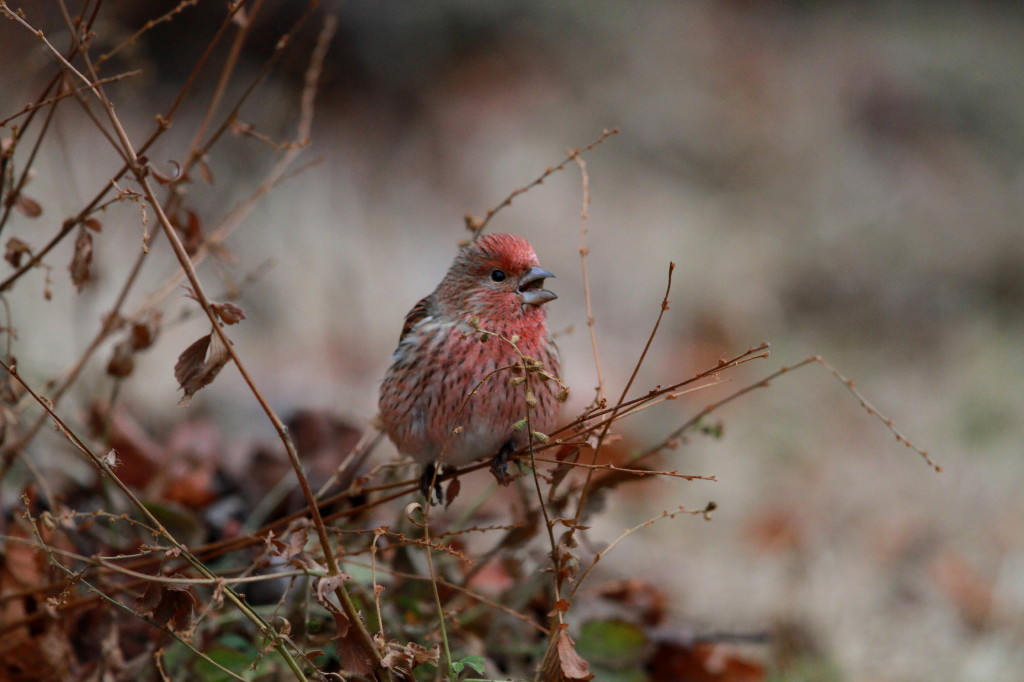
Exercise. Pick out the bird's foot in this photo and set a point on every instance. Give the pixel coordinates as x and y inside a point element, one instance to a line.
<point>499,463</point>
<point>431,478</point>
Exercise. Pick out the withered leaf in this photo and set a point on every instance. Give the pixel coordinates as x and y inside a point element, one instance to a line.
<point>229,313</point>
<point>355,660</point>
<point>296,541</point>
<point>199,365</point>
<point>403,659</point>
<point>82,260</point>
<point>140,336</point>
<point>323,588</point>
<point>191,229</point>
<point>27,206</point>
<point>169,604</point>
<point>204,170</point>
<point>167,178</point>
<point>122,361</point>
<point>572,665</point>
<point>93,224</point>
<point>15,250</point>
<point>452,492</point>
<point>143,334</point>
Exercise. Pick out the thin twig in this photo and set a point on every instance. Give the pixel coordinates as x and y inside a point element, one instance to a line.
<point>625,391</point>
<point>183,551</point>
<point>706,513</point>
<point>476,225</point>
<point>584,251</point>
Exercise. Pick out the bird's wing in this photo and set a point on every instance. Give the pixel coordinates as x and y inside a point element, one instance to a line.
<point>420,311</point>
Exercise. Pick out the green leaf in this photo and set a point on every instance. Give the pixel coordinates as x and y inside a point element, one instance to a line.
<point>474,662</point>
<point>612,643</point>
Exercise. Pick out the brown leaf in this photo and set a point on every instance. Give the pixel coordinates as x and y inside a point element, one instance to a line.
<point>452,492</point>
<point>204,170</point>
<point>27,206</point>
<point>169,604</point>
<point>140,336</point>
<point>229,313</point>
<point>199,365</point>
<point>703,662</point>
<point>403,659</point>
<point>324,588</point>
<point>355,660</point>
<point>122,361</point>
<point>141,458</point>
<point>639,597</point>
<point>191,229</point>
<point>143,334</point>
<point>571,664</point>
<point>93,224</point>
<point>15,250</point>
<point>82,260</point>
<point>296,541</point>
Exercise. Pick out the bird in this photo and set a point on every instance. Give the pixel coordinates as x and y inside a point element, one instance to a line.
<point>475,372</point>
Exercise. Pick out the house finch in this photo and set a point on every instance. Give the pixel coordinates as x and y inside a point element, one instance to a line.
<point>455,394</point>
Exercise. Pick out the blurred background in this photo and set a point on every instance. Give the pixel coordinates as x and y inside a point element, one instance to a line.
<point>840,179</point>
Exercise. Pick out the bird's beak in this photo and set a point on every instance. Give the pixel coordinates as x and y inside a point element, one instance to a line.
<point>531,286</point>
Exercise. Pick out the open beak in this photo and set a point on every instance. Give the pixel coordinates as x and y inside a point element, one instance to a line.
<point>531,286</point>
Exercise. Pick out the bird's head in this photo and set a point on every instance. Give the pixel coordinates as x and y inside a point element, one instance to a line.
<point>497,276</point>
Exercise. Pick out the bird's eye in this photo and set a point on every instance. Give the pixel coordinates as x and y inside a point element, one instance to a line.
<point>497,276</point>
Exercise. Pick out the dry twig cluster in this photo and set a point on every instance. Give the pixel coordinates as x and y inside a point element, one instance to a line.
<point>110,581</point>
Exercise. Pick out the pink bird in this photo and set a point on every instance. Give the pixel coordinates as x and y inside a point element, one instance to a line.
<point>455,393</point>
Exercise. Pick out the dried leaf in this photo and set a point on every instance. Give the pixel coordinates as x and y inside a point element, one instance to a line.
<point>28,206</point>
<point>229,313</point>
<point>143,334</point>
<point>122,361</point>
<point>324,588</point>
<point>570,664</point>
<point>82,260</point>
<point>169,604</point>
<point>191,229</point>
<point>164,178</point>
<point>15,250</point>
<point>140,336</point>
<point>355,660</point>
<point>452,492</point>
<point>93,224</point>
<point>199,365</point>
<point>204,170</point>
<point>296,541</point>
<point>703,661</point>
<point>639,597</point>
<point>404,659</point>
